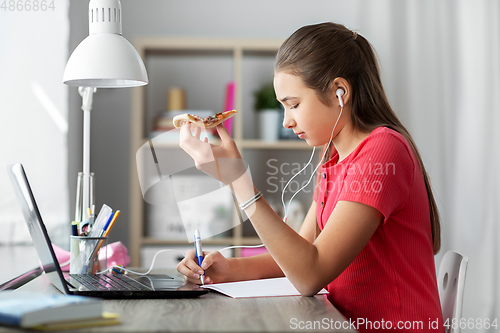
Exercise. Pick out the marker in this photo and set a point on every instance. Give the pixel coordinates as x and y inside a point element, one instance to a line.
<point>199,252</point>
<point>74,228</point>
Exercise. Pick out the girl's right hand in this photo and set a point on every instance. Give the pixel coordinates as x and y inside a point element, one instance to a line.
<point>223,162</point>
<point>215,266</point>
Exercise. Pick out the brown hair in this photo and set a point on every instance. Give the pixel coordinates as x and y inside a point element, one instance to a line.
<point>322,52</point>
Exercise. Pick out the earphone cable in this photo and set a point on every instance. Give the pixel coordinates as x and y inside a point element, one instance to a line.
<point>312,174</point>
<point>285,208</point>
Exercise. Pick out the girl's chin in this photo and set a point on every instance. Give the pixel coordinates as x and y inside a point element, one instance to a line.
<point>313,143</point>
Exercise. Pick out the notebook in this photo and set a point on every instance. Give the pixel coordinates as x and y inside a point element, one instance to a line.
<point>258,288</point>
<point>102,285</point>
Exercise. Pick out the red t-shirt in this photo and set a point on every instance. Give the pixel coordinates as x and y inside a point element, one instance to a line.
<point>393,280</point>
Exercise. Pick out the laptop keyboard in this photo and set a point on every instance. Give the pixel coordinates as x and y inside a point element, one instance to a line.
<point>109,282</point>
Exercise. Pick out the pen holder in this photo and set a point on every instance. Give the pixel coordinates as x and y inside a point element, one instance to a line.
<point>85,253</point>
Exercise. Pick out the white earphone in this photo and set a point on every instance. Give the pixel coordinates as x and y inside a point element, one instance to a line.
<point>340,92</point>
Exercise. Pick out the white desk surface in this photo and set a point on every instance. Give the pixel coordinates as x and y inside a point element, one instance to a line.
<point>212,312</point>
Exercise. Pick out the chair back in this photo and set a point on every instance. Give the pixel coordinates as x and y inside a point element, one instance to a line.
<point>451,283</point>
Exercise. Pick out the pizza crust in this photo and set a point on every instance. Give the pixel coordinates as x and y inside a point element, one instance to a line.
<point>208,122</point>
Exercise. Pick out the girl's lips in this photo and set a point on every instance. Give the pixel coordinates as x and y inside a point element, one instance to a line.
<point>301,135</point>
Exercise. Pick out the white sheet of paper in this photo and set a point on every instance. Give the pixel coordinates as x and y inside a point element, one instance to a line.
<point>258,288</point>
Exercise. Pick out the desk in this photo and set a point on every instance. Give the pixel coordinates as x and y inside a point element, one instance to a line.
<point>212,312</point>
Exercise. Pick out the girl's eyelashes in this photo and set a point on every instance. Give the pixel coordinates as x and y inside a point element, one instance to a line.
<point>294,106</point>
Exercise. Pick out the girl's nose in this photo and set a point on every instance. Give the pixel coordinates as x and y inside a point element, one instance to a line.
<point>288,121</point>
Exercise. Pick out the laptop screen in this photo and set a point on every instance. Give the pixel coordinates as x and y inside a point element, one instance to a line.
<point>43,245</point>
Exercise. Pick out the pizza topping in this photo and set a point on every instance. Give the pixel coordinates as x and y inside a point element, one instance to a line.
<point>208,122</point>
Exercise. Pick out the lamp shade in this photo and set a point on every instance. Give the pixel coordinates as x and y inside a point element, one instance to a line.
<point>105,59</point>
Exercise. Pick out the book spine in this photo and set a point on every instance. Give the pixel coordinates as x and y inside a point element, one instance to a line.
<point>11,320</point>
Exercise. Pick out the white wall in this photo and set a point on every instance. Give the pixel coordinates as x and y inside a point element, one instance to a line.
<point>33,114</point>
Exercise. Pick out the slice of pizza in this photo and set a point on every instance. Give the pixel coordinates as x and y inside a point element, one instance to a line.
<point>208,122</point>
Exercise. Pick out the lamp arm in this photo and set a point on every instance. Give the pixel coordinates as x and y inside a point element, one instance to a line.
<point>87,94</point>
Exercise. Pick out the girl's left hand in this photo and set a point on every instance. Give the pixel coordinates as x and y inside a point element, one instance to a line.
<point>222,162</point>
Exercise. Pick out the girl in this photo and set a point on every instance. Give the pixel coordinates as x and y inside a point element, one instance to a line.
<point>373,228</point>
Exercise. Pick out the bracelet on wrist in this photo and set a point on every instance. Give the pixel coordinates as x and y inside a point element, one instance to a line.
<point>251,201</point>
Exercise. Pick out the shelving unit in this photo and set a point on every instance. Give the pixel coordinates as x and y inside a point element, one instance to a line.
<point>234,59</point>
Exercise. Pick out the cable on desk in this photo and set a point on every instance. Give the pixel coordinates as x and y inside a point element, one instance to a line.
<point>172,250</point>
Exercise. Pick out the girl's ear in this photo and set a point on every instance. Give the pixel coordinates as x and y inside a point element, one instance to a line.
<point>341,90</point>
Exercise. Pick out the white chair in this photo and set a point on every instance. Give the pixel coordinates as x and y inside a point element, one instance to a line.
<point>451,283</point>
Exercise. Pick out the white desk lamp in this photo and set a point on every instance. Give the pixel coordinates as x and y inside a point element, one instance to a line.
<point>105,59</point>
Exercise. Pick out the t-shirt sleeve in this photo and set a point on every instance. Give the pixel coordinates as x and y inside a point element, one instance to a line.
<point>380,175</point>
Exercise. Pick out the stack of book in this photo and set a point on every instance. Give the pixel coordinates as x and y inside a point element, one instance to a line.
<point>45,312</point>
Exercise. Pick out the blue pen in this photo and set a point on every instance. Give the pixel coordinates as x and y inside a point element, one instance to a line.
<point>199,252</point>
<point>101,233</point>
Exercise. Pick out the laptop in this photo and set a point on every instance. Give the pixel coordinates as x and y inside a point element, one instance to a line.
<point>98,285</point>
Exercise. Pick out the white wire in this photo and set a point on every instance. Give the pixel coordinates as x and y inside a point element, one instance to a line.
<point>312,174</point>
<point>172,250</point>
<point>152,263</point>
<point>285,208</point>
<point>300,189</point>
<point>240,246</point>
